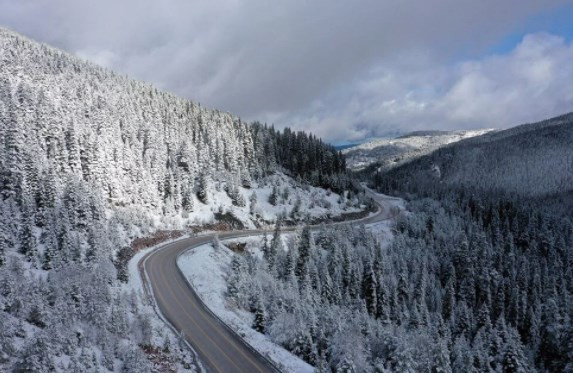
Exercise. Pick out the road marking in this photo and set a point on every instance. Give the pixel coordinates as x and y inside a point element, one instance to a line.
<point>203,310</point>
<point>207,317</point>
<point>166,283</point>
<point>208,357</point>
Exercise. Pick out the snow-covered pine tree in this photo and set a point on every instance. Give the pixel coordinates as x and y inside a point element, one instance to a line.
<point>274,196</point>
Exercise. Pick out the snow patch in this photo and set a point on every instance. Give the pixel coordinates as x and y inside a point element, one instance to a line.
<point>205,268</point>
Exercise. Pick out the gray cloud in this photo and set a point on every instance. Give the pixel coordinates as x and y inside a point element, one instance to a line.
<point>343,69</point>
<point>530,83</point>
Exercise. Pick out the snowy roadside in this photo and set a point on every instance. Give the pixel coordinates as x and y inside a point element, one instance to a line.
<point>205,268</point>
<point>135,282</point>
<point>313,202</point>
<point>383,228</point>
<point>160,334</point>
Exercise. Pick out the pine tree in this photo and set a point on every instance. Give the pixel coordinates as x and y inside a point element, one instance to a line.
<point>233,192</point>
<point>36,356</point>
<point>383,303</point>
<point>294,213</point>
<point>513,359</point>
<point>259,323</point>
<point>274,196</point>
<point>253,203</point>
<point>271,252</point>
<point>108,353</point>
<point>3,247</point>
<point>483,318</point>
<point>73,149</point>
<point>302,346</point>
<point>441,358</point>
<point>462,360</point>
<point>36,316</point>
<point>204,185</point>
<point>403,291</point>
<point>289,265</point>
<point>369,289</point>
<point>187,200</point>
<point>28,241</point>
<point>304,247</point>
<point>15,143</point>
<point>7,348</point>
<point>449,301</point>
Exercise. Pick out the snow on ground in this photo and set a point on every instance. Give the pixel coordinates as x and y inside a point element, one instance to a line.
<point>383,229</point>
<point>206,268</point>
<point>314,202</point>
<point>160,331</point>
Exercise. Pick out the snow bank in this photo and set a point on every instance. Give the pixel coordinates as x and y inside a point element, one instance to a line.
<point>205,268</point>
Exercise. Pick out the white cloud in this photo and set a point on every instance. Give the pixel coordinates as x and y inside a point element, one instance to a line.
<point>530,83</point>
<point>342,69</point>
<point>103,58</point>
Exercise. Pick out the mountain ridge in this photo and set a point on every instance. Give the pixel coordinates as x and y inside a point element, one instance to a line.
<point>531,160</point>
<point>388,153</point>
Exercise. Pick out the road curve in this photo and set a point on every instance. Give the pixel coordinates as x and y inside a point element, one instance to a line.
<point>217,346</point>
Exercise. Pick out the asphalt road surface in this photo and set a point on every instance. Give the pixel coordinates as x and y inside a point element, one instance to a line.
<point>219,349</point>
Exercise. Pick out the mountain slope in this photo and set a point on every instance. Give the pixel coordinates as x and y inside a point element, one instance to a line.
<point>89,162</point>
<point>388,153</point>
<point>135,143</point>
<point>531,160</point>
<point>490,226</point>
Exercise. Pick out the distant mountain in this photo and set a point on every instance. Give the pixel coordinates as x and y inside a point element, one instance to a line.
<point>388,153</point>
<point>531,160</point>
<point>346,146</point>
<point>424,133</point>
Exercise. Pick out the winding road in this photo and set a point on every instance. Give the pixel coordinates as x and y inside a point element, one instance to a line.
<point>219,348</point>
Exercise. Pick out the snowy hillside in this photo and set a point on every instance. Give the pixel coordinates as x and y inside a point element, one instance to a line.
<point>392,152</point>
<point>531,160</point>
<point>488,244</point>
<point>90,162</point>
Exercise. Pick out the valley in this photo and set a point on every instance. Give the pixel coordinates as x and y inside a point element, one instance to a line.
<point>143,232</point>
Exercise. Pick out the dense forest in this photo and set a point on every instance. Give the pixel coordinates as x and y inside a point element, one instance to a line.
<point>477,278</point>
<point>487,288</point>
<point>532,160</point>
<point>88,160</point>
<point>504,200</point>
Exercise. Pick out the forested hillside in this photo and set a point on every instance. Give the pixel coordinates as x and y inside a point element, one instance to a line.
<point>532,160</point>
<point>491,238</point>
<point>133,142</point>
<point>89,160</point>
<point>478,276</point>
<point>459,289</point>
<point>389,153</point>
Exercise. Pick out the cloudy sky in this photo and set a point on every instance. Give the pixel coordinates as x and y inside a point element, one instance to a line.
<point>346,70</point>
